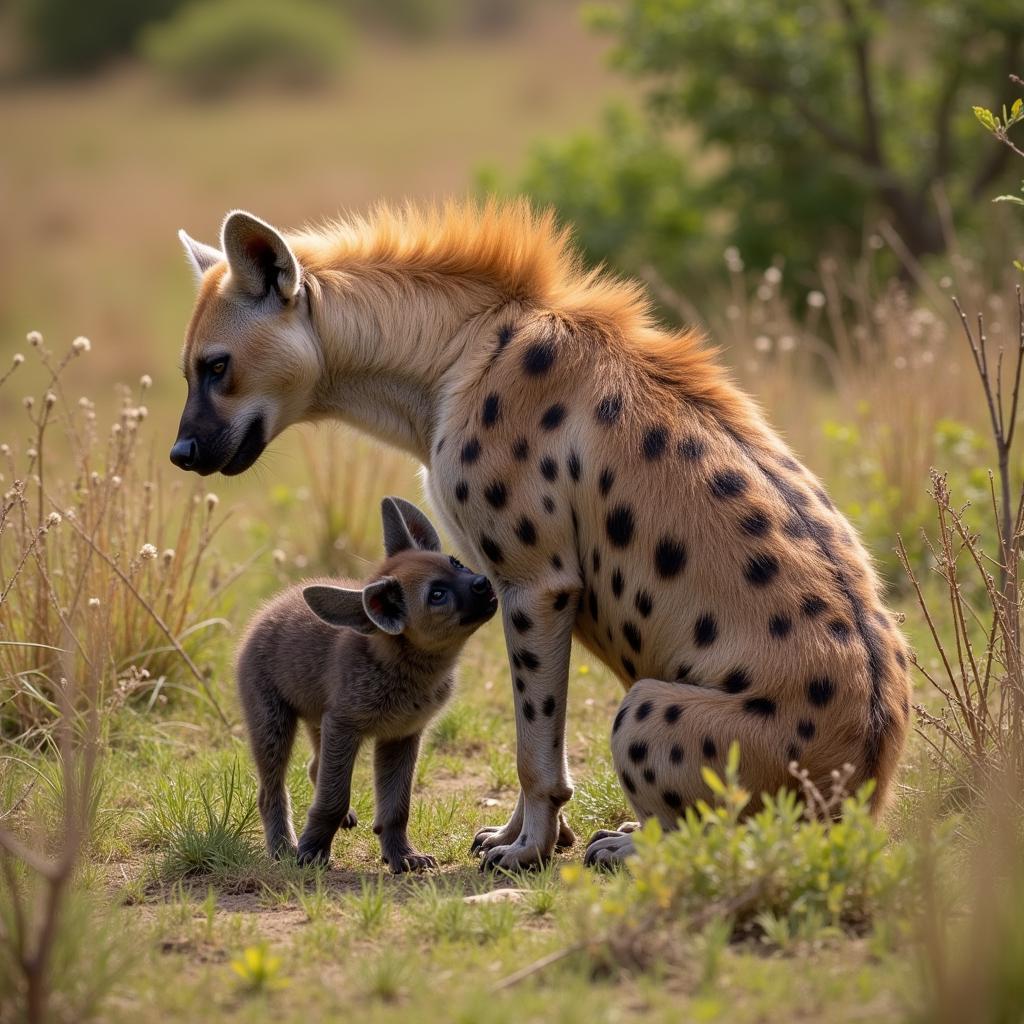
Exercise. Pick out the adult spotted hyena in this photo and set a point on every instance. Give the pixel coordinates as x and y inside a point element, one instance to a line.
<point>617,484</point>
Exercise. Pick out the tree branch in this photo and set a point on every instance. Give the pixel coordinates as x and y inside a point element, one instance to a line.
<point>860,40</point>
<point>997,162</point>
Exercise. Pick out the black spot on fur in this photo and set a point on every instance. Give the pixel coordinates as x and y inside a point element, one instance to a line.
<point>692,449</point>
<point>620,717</point>
<point>505,335</point>
<point>792,753</point>
<point>520,685</point>
<point>787,463</point>
<point>529,713</point>
<point>760,706</point>
<point>628,783</point>
<point>655,442</point>
<point>708,748</point>
<point>617,583</point>
<point>496,494</point>
<point>644,709</point>
<point>779,626</point>
<point>824,499</point>
<point>539,358</point>
<point>672,713</point>
<point>728,483</point>
<point>812,605</point>
<point>901,658</point>
<point>755,523</point>
<point>794,527</point>
<point>490,547</point>
<point>526,531</point>
<point>619,524</point>
<point>632,635</point>
<point>669,557</point>
<point>470,452</point>
<point>683,672</point>
<point>705,630</point>
<point>736,681</point>
<point>761,569</point>
<point>672,799</point>
<point>553,417</point>
<point>492,410</point>
<point>517,662</point>
<point>637,751</point>
<point>840,630</point>
<point>595,560</point>
<point>592,603</point>
<point>549,468</point>
<point>548,707</point>
<point>530,660</point>
<point>573,465</point>
<point>556,561</point>
<point>440,445</point>
<point>649,777</point>
<point>561,600</point>
<point>604,484</point>
<point>627,664</point>
<point>521,621</point>
<point>675,755</point>
<point>805,729</point>
<point>461,492</point>
<point>644,603</point>
<point>609,409</point>
<point>549,504</point>
<point>820,691</point>
<point>521,449</point>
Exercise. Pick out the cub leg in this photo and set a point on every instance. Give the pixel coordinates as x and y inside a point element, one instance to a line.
<point>339,744</point>
<point>394,764</point>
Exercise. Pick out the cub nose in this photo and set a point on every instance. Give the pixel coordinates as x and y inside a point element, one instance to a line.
<point>480,585</point>
<point>185,453</point>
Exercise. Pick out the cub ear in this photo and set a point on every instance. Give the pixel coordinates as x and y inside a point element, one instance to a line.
<point>338,606</point>
<point>405,527</point>
<point>201,257</point>
<point>259,258</point>
<point>384,603</point>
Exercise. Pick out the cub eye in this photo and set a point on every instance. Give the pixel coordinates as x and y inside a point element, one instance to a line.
<point>437,595</point>
<point>218,367</point>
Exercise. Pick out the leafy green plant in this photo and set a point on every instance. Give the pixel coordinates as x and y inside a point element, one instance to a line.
<point>211,47</point>
<point>259,969</point>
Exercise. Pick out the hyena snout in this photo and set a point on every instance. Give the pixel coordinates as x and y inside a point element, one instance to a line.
<point>217,447</point>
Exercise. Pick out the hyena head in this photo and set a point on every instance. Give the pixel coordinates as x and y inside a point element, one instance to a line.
<point>429,598</point>
<point>251,357</point>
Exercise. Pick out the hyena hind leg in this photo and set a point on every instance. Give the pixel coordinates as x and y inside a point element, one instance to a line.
<point>313,731</point>
<point>272,726</point>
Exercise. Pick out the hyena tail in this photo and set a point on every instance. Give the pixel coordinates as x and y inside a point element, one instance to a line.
<point>665,733</point>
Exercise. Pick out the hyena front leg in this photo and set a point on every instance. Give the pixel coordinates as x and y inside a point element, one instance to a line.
<point>538,633</point>
<point>331,810</point>
<point>393,770</point>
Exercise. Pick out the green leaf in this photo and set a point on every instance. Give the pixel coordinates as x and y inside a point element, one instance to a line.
<point>986,117</point>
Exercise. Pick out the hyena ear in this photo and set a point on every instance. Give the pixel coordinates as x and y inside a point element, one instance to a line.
<point>338,606</point>
<point>201,257</point>
<point>384,603</point>
<point>419,526</point>
<point>260,259</point>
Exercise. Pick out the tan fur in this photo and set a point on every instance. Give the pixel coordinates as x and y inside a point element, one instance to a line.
<point>419,318</point>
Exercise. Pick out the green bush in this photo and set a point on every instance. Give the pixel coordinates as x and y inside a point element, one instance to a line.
<point>626,191</point>
<point>212,47</point>
<point>71,36</point>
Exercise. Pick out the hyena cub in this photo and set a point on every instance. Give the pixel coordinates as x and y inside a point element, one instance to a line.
<point>384,674</point>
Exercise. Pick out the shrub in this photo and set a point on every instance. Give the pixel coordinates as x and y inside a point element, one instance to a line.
<point>212,47</point>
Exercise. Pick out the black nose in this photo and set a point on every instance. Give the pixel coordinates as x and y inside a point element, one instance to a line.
<point>185,453</point>
<point>480,585</point>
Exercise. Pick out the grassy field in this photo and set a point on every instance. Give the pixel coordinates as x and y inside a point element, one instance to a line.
<point>175,913</point>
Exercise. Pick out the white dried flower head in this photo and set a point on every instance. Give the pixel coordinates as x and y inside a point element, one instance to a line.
<point>53,519</point>
<point>147,552</point>
<point>142,412</point>
<point>5,449</point>
<point>764,292</point>
<point>927,357</point>
<point>145,382</point>
<point>94,477</point>
<point>168,556</point>
<point>31,453</point>
<point>147,486</point>
<point>945,281</point>
<point>815,299</point>
<point>18,359</point>
<point>80,345</point>
<point>34,338</point>
<point>301,561</point>
<point>94,602</point>
<point>732,312</point>
<point>787,343</point>
<point>279,556</point>
<point>115,428</point>
<point>84,403</point>
<point>762,343</point>
<point>773,275</point>
<point>211,501</point>
<point>876,242</point>
<point>50,399</point>
<point>69,513</point>
<point>28,401</point>
<point>115,481</point>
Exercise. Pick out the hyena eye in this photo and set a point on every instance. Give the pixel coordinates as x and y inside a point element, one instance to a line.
<point>437,595</point>
<point>219,367</point>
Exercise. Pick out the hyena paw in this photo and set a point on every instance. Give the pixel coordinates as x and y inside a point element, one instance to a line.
<point>411,861</point>
<point>349,821</point>
<point>608,848</point>
<point>521,855</point>
<point>566,836</point>
<point>491,836</point>
<point>314,850</point>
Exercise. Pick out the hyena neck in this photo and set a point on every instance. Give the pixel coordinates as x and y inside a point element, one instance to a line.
<point>392,344</point>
